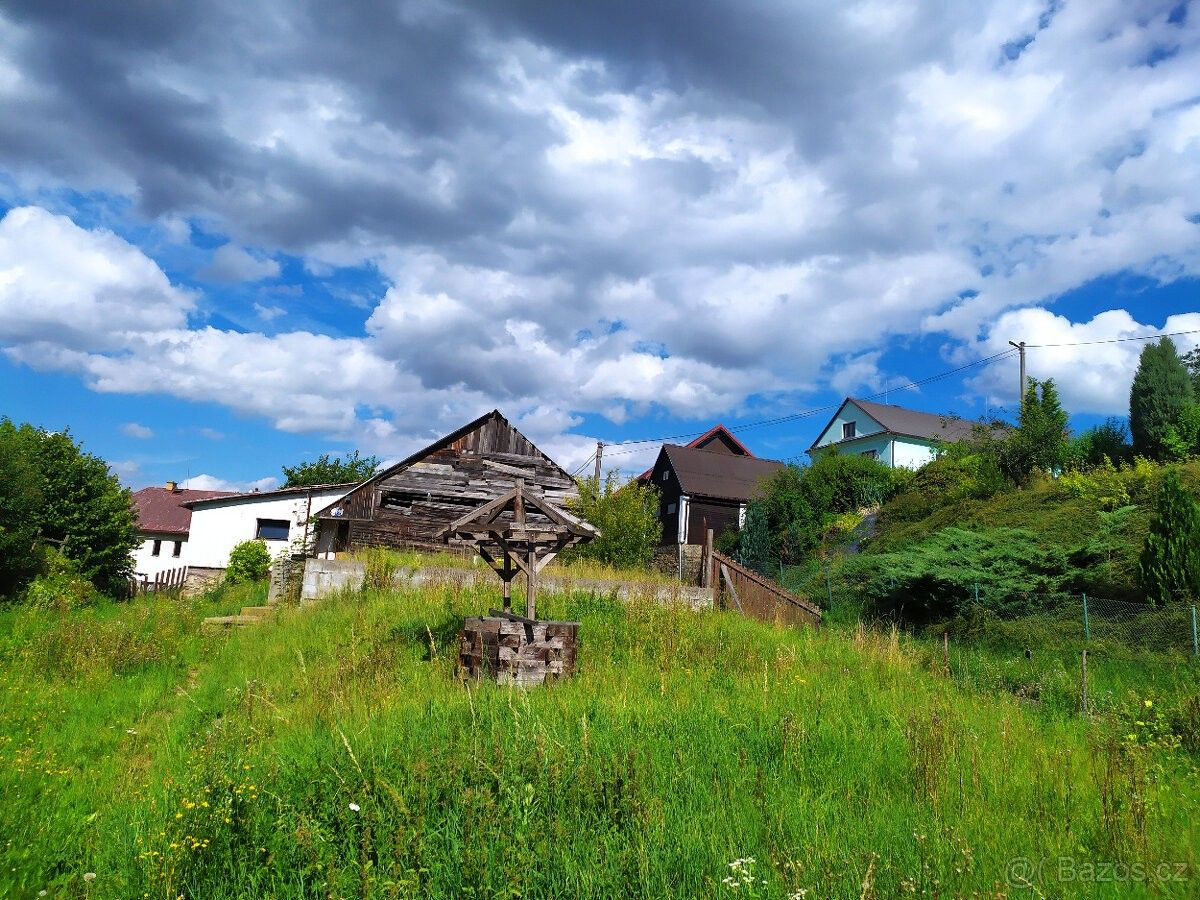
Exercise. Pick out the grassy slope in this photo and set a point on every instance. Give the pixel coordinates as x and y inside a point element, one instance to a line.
<point>172,763</point>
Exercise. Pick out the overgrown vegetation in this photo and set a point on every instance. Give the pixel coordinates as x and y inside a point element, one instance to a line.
<point>53,494</point>
<point>336,754</point>
<point>326,469</point>
<point>248,561</point>
<point>627,516</point>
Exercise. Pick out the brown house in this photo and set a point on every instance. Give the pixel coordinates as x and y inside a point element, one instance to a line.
<point>411,503</point>
<point>701,488</point>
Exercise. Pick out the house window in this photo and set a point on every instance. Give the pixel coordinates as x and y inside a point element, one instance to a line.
<point>666,474</point>
<point>871,454</point>
<point>178,548</point>
<point>156,549</point>
<point>273,529</point>
<point>848,431</point>
<point>670,507</point>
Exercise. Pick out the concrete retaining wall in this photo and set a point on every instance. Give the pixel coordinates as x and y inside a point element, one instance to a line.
<point>323,577</point>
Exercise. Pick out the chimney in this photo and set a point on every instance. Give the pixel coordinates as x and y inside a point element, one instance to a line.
<point>172,486</point>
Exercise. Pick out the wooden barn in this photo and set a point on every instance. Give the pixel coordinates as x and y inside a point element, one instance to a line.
<point>411,503</point>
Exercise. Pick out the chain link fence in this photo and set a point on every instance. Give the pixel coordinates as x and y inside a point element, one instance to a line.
<point>1032,619</point>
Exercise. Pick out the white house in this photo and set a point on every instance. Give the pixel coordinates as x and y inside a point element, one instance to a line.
<point>892,434</point>
<point>164,522</point>
<point>280,518</point>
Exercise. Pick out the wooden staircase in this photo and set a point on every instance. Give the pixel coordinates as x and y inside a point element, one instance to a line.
<point>250,615</point>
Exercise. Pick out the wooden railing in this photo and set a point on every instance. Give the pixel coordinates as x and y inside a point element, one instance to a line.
<point>736,587</point>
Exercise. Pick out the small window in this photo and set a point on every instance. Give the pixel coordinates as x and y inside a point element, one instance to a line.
<point>666,474</point>
<point>157,548</point>
<point>273,529</point>
<point>178,548</point>
<point>848,430</point>
<point>671,507</point>
<point>871,454</point>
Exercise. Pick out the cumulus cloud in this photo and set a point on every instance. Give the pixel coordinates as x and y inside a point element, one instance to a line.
<point>78,290</point>
<point>213,483</point>
<point>135,430</point>
<point>593,209</point>
<point>233,264</point>
<point>1091,362</point>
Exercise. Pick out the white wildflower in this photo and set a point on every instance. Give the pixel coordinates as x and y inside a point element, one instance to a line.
<point>354,807</point>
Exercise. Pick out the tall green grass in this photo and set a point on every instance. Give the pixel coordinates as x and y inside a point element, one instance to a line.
<point>335,753</point>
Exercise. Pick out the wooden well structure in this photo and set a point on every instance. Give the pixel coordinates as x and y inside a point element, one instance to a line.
<point>518,533</point>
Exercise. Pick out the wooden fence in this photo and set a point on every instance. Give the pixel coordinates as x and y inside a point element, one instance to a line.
<point>736,587</point>
<point>169,582</point>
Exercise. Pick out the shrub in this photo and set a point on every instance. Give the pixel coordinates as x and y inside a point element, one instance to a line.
<point>59,586</point>
<point>627,516</point>
<point>248,561</point>
<point>1102,486</point>
<point>1169,568</point>
<point>936,578</point>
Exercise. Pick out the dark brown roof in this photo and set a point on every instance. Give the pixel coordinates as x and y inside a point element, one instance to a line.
<point>907,422</point>
<point>707,473</point>
<point>278,492</point>
<point>717,433</point>
<point>161,510</point>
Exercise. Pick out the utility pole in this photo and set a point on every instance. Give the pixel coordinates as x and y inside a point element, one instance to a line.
<point>599,457</point>
<point>1024,386</point>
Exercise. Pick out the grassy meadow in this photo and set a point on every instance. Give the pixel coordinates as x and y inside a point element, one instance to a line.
<point>334,753</point>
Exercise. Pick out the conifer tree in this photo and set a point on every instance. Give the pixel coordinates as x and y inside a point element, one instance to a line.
<point>754,542</point>
<point>1169,568</point>
<point>1159,399</point>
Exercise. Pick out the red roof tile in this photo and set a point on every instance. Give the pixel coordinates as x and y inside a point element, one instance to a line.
<point>160,510</point>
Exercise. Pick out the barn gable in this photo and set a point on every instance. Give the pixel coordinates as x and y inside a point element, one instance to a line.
<point>410,503</point>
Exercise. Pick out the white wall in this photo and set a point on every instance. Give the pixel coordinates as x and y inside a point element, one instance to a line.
<point>146,563</point>
<point>220,525</point>
<point>910,454</point>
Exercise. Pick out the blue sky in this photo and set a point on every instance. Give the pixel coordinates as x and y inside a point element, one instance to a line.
<point>226,247</point>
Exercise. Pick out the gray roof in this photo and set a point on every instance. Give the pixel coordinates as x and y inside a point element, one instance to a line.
<point>724,476</point>
<point>908,422</point>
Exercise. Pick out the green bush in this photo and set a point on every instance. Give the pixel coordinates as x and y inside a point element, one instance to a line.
<point>936,578</point>
<point>59,586</point>
<point>248,561</point>
<point>1169,568</point>
<point>627,516</point>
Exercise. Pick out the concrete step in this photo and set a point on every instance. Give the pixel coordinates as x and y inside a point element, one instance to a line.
<point>230,621</point>
<point>260,611</point>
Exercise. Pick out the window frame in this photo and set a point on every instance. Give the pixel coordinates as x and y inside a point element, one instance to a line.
<point>156,548</point>
<point>849,431</point>
<point>258,529</point>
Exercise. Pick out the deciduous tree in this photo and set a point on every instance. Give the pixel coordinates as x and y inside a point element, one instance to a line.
<point>326,469</point>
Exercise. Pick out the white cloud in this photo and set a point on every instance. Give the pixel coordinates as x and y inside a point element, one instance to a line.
<point>77,289</point>
<point>213,483</point>
<point>231,263</point>
<point>568,225</point>
<point>212,434</point>
<point>135,430</point>
<point>1093,366</point>
<point>269,313</point>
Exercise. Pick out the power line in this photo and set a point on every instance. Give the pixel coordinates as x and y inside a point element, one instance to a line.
<point>1145,337</point>
<point>819,409</point>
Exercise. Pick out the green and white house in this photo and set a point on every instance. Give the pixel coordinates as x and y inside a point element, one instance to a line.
<point>892,434</point>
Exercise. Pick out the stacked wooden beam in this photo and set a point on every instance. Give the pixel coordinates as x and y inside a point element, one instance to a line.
<point>514,650</point>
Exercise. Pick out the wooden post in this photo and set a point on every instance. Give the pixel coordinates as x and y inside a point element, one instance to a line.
<point>531,587</point>
<point>507,577</point>
<point>706,572</point>
<point>1083,684</point>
